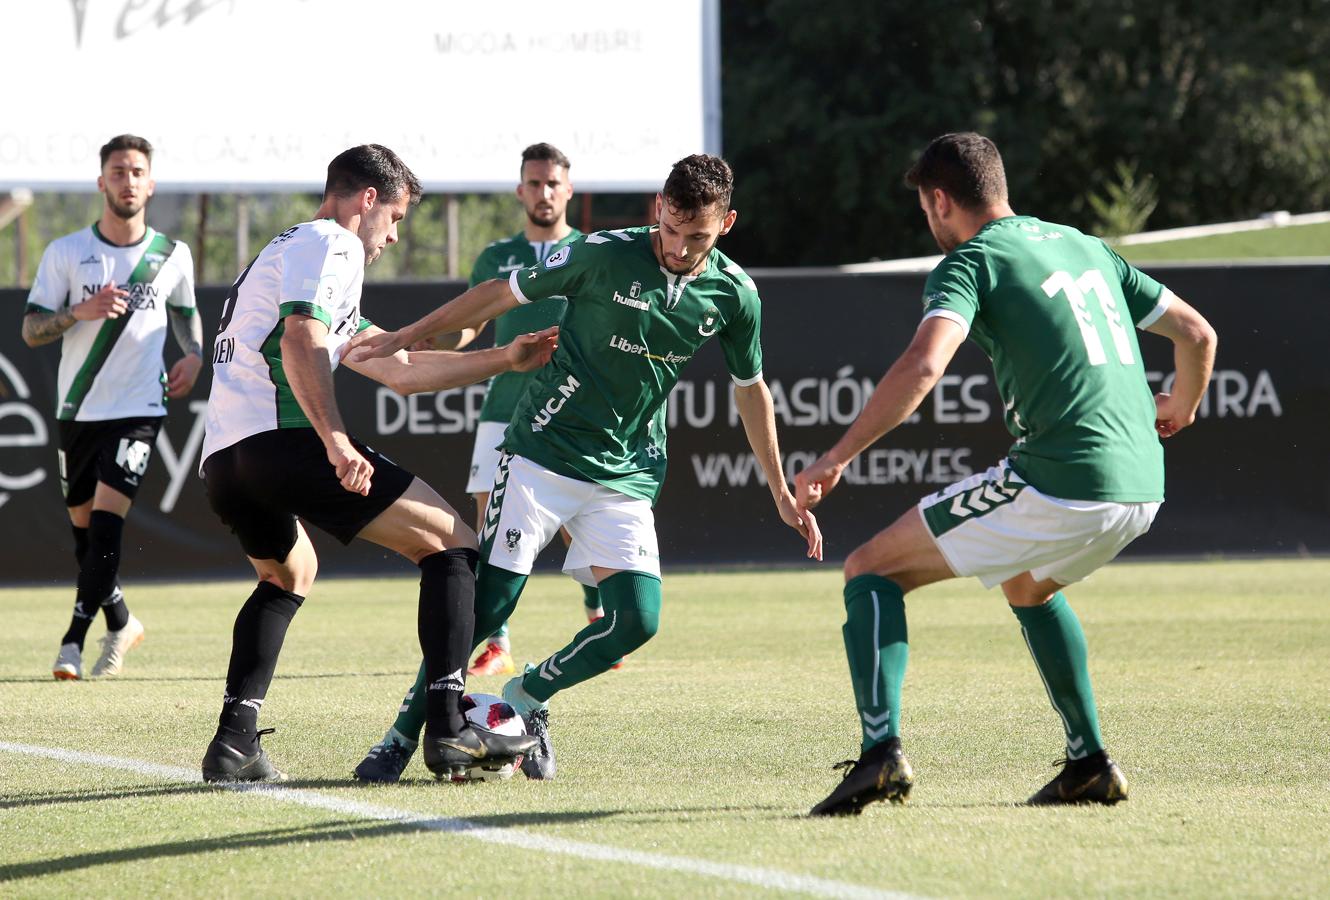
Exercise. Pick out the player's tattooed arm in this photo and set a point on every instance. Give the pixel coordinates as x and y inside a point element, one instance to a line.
<point>44,327</point>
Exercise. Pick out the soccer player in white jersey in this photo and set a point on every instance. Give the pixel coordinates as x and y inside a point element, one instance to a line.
<point>1057,313</point>
<point>108,292</point>
<point>276,452</point>
<point>586,448</point>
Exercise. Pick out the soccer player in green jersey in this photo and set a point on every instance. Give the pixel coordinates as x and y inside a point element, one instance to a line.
<point>586,448</point>
<point>1054,309</point>
<point>544,191</point>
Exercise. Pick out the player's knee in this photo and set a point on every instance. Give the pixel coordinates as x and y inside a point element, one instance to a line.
<point>634,628</point>
<point>859,563</point>
<point>462,538</point>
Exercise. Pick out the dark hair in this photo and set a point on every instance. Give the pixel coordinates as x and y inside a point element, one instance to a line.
<point>371,165</point>
<point>965,165</point>
<point>126,142</point>
<point>698,182</point>
<point>543,152</point>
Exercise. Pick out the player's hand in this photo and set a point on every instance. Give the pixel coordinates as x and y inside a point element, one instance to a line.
<point>1170,418</point>
<point>531,351</point>
<point>108,303</point>
<point>813,484</point>
<point>373,345</point>
<point>802,521</point>
<point>180,380</point>
<point>353,470</point>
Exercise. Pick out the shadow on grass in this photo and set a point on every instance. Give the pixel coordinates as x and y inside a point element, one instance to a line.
<point>335,830</point>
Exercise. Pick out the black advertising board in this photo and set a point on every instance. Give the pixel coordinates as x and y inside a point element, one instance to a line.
<point>1248,478</point>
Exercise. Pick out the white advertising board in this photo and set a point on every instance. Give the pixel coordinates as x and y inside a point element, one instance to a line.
<point>258,95</point>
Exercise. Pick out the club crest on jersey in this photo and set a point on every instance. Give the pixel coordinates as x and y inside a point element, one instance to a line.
<point>709,320</point>
<point>557,259</point>
<point>511,537</point>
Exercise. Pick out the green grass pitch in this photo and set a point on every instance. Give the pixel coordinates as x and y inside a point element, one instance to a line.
<point>688,773</point>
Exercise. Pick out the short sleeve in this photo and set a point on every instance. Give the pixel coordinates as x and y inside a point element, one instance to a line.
<point>1146,298</point>
<point>952,289</point>
<point>316,274</point>
<point>182,295</point>
<point>741,342</point>
<point>560,275</point>
<point>363,325</point>
<point>50,289</point>
<point>483,269</point>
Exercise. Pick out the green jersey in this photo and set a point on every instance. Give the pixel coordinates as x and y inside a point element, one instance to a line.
<point>1053,309</point>
<point>597,411</point>
<point>498,260</point>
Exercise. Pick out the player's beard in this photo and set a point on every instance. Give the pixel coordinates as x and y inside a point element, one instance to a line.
<point>688,268</point>
<point>121,211</point>
<point>542,219</point>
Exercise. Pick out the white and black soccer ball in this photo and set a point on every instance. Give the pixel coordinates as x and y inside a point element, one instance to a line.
<point>491,713</point>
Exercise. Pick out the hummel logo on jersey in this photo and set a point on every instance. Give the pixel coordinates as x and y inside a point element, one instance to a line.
<point>554,404</point>
<point>631,299</point>
<point>512,537</point>
<point>512,265</point>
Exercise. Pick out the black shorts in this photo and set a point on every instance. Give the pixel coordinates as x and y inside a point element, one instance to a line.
<point>113,451</point>
<point>262,484</point>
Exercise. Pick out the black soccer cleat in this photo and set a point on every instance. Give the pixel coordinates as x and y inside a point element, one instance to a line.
<point>235,756</point>
<point>451,755</point>
<point>882,773</point>
<point>538,765</point>
<point>384,763</point>
<point>1094,783</point>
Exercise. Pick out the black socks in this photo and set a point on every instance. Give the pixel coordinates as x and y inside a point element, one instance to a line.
<point>255,643</point>
<point>445,620</point>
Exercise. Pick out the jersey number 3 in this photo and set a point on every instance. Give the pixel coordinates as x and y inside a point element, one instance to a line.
<point>1075,289</point>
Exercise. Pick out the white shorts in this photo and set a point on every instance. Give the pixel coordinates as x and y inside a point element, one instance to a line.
<point>994,526</point>
<point>528,505</point>
<point>485,457</point>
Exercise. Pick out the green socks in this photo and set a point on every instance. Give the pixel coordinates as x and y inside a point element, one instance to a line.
<point>632,615</point>
<point>1057,643</point>
<point>877,646</point>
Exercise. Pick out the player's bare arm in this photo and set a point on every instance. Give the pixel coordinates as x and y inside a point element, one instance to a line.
<point>305,361</point>
<point>188,332</point>
<point>44,327</point>
<point>453,340</point>
<point>1194,343</point>
<point>758,415</point>
<point>411,372</point>
<point>896,397</point>
<point>485,301</point>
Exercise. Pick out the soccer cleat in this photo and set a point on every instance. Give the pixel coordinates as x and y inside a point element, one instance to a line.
<point>451,755</point>
<point>881,773</point>
<point>384,763</point>
<point>68,664</point>
<point>234,756</point>
<point>595,615</point>
<point>115,645</point>
<point>493,660</point>
<point>538,765</point>
<point>1103,783</point>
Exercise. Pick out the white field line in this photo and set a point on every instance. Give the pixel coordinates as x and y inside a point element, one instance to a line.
<point>773,879</point>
